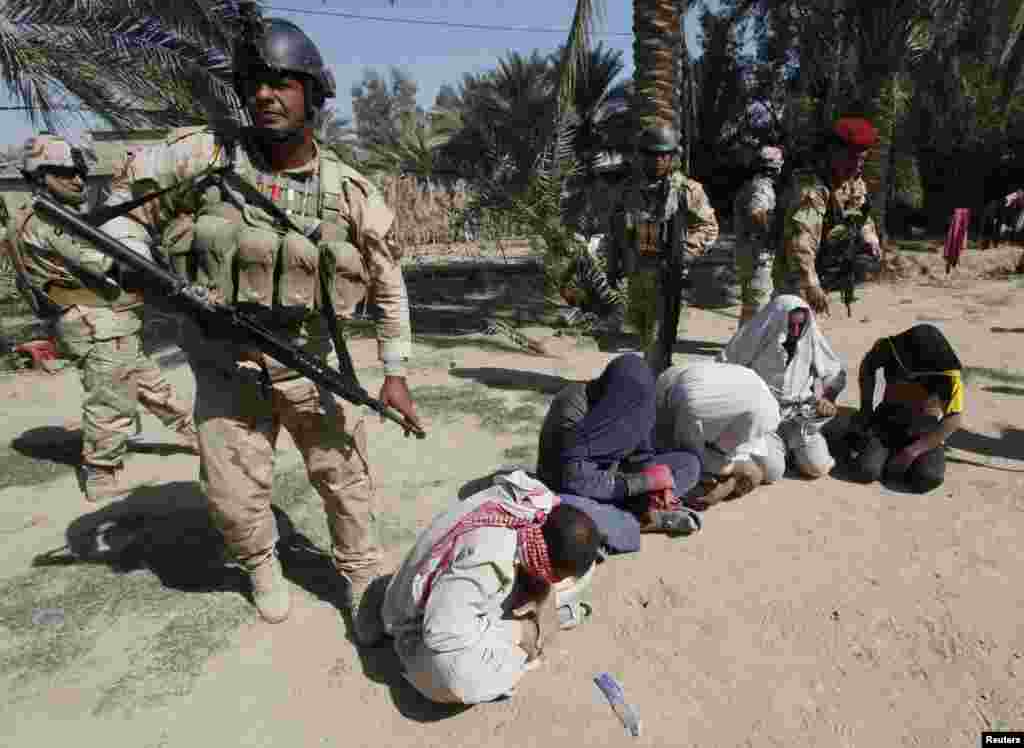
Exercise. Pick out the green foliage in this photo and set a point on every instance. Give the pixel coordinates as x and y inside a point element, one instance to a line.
<point>152,63</point>
<point>383,108</point>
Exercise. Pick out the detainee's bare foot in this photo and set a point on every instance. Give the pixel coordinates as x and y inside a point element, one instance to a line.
<point>710,491</point>
<point>748,476</point>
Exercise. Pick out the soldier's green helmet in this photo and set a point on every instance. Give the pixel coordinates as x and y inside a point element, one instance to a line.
<point>47,151</point>
<point>659,139</point>
<point>283,47</point>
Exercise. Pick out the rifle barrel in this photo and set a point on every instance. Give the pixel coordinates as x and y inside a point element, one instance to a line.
<point>187,301</point>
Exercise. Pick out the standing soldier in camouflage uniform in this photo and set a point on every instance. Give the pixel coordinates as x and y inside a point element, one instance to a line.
<point>639,229</point>
<point>288,233</point>
<point>753,219</point>
<point>98,324</point>
<point>816,206</point>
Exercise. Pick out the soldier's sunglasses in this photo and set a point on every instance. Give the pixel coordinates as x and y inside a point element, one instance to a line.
<point>256,77</point>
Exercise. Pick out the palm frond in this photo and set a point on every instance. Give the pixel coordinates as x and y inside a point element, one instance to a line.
<point>130,62</point>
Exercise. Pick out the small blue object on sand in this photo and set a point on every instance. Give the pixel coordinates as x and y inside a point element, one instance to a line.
<point>612,691</point>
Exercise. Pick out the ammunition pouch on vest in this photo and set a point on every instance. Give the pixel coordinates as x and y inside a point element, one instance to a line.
<point>268,270</point>
<point>345,276</point>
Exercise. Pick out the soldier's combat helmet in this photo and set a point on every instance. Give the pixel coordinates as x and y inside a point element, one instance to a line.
<point>48,152</point>
<point>658,139</point>
<point>281,46</point>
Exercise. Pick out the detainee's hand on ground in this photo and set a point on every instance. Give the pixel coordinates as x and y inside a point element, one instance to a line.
<point>663,500</point>
<point>817,299</point>
<point>826,408</point>
<point>394,393</point>
<point>529,640</point>
<point>544,609</point>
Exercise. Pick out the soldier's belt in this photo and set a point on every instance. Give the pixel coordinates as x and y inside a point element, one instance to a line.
<point>85,297</point>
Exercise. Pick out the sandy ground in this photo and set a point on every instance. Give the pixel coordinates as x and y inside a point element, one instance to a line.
<point>806,614</point>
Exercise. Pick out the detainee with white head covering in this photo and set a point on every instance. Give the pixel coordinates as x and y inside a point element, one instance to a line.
<point>784,345</point>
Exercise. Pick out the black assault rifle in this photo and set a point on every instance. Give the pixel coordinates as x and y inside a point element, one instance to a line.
<point>844,263</point>
<point>224,319</point>
<point>672,279</point>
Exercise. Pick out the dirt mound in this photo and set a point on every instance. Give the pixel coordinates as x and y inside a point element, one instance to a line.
<point>923,261</point>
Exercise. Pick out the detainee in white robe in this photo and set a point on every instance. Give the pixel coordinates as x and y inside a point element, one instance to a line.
<point>721,412</point>
<point>813,373</point>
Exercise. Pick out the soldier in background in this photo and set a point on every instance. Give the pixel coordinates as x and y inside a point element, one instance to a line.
<point>97,322</point>
<point>640,227</point>
<point>816,207</point>
<point>753,220</point>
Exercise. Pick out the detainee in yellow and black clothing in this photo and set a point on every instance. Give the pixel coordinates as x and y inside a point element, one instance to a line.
<point>921,408</point>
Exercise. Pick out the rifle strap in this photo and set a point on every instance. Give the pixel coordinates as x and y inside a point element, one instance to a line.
<point>99,216</point>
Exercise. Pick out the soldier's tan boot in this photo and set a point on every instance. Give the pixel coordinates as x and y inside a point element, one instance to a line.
<point>270,591</point>
<point>364,601</point>
<point>101,483</point>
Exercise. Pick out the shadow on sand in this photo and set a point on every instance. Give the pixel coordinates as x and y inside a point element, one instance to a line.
<point>166,530</point>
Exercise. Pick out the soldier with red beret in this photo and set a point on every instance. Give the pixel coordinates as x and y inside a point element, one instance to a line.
<point>818,208</point>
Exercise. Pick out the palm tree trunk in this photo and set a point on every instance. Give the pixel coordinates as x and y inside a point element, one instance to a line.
<point>657,36</point>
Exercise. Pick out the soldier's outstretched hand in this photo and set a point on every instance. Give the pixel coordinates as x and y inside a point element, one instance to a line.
<point>395,394</point>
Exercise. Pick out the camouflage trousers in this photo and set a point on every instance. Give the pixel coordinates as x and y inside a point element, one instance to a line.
<point>238,428</point>
<point>116,376</point>
<point>646,313</point>
<point>754,272</point>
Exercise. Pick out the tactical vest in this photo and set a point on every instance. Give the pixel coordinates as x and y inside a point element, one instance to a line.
<point>250,259</point>
<point>648,219</point>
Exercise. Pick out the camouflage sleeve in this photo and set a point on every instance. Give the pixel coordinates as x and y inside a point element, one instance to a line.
<point>868,233</point>
<point>761,207</point>
<point>753,208</point>
<point>702,225</point>
<point>371,224</point>
<point>49,245</point>
<point>805,215</point>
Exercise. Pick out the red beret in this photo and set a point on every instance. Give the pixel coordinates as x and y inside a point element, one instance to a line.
<point>856,132</point>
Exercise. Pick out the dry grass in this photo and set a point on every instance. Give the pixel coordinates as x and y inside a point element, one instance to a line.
<point>422,216</point>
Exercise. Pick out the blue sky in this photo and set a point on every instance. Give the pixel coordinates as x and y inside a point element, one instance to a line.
<point>434,55</point>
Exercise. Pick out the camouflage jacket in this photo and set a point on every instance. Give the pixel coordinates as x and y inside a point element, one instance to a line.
<point>814,212</point>
<point>41,250</point>
<point>753,209</point>
<point>651,204</point>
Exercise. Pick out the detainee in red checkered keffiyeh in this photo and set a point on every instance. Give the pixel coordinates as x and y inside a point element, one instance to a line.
<point>526,521</point>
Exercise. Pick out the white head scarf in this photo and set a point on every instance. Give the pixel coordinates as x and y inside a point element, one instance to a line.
<point>758,345</point>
